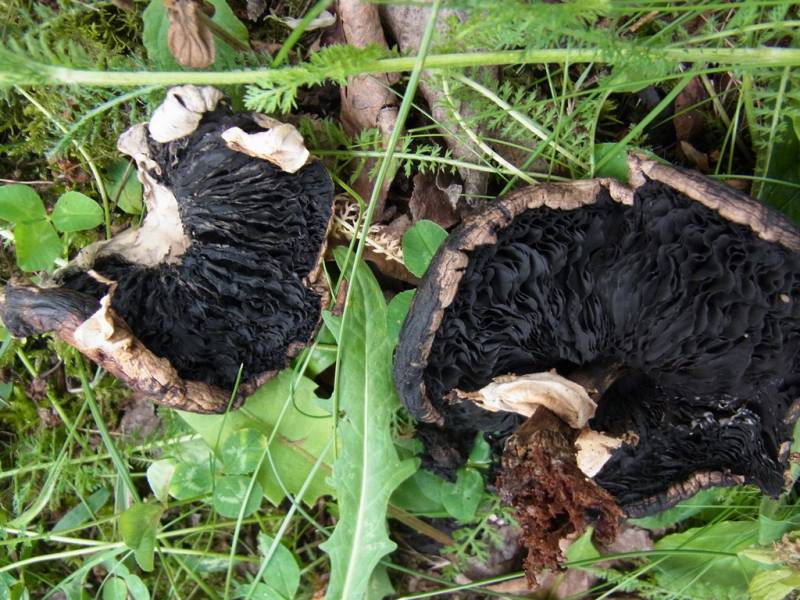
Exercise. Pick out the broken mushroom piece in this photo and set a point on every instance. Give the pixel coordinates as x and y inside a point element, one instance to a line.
<point>224,271</point>
<point>675,305</point>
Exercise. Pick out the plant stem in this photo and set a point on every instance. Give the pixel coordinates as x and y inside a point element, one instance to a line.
<point>116,457</point>
<point>43,74</point>
<point>485,148</point>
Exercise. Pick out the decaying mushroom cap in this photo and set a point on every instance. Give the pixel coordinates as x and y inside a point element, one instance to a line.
<point>682,293</point>
<point>223,272</point>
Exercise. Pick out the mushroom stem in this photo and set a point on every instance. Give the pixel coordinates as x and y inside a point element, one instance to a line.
<point>551,497</point>
<point>99,333</point>
<point>597,377</point>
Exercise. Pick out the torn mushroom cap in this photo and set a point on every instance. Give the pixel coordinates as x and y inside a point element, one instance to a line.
<point>693,288</point>
<point>225,271</point>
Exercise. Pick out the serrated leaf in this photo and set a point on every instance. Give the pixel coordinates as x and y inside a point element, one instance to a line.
<point>84,511</point>
<point>396,313</point>
<point>19,203</point>
<point>282,573</point>
<point>716,572</point>
<point>420,243</point>
<point>230,493</point>
<point>380,586</point>
<point>191,480</point>
<point>159,476</point>
<point>303,433</point>
<point>368,469</point>
<point>115,588</point>
<point>242,451</point>
<point>123,184</point>
<point>156,24</point>
<point>76,212</point>
<point>138,526</point>
<point>461,499</point>
<point>37,245</point>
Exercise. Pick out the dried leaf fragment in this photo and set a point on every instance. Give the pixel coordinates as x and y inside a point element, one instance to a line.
<point>189,39</point>
<point>431,201</point>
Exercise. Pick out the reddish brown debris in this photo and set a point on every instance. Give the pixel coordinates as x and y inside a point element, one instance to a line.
<point>551,497</point>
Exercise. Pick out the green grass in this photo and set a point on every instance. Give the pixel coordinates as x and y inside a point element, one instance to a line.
<point>574,78</point>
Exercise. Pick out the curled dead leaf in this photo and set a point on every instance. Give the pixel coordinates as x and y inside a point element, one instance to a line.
<point>189,39</point>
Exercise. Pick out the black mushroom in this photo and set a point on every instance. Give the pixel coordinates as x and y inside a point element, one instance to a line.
<point>225,270</point>
<point>662,323</point>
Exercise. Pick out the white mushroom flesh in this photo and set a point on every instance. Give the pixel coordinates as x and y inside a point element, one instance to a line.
<point>279,143</point>
<point>522,394</point>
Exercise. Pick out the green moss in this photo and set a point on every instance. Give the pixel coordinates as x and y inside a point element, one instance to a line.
<point>99,36</point>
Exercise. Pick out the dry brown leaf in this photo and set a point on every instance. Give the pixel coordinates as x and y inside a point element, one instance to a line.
<point>433,202</point>
<point>189,39</point>
<point>139,419</point>
<point>383,247</point>
<point>688,121</point>
<point>699,160</point>
<point>629,539</point>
